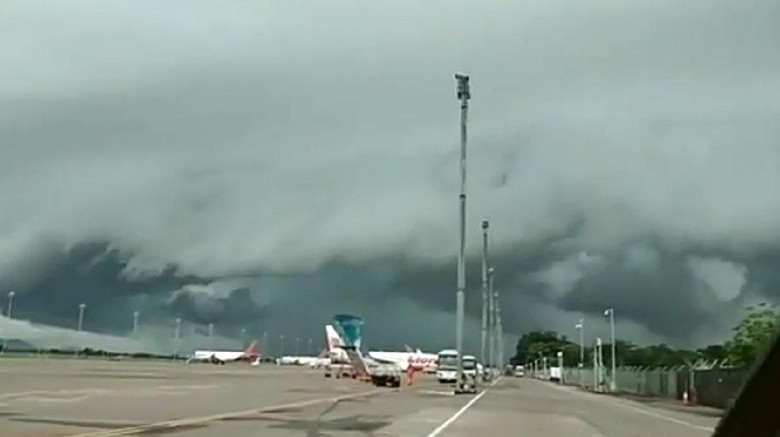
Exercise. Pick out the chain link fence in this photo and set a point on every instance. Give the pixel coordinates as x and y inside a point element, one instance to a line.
<point>714,387</point>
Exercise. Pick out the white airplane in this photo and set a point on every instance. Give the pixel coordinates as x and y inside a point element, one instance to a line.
<point>296,361</point>
<point>251,354</point>
<point>417,359</point>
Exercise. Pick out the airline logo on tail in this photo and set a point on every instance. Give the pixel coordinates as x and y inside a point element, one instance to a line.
<point>334,340</point>
<point>336,346</point>
<point>252,352</point>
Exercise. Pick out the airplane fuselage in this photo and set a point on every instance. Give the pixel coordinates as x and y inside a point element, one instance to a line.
<point>417,360</point>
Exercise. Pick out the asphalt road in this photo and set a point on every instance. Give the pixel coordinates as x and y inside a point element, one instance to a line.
<point>545,409</point>
<point>41,397</point>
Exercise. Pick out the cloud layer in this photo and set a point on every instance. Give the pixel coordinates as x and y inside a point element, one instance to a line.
<point>264,165</point>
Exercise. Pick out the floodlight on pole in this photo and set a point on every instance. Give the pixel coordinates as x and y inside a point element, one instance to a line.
<point>11,295</point>
<point>463,94</point>
<point>177,337</point>
<point>611,313</point>
<point>491,321</point>
<point>136,314</point>
<point>581,327</point>
<point>499,329</point>
<point>560,367</point>
<point>82,307</point>
<point>485,298</point>
<point>211,335</point>
<point>9,314</point>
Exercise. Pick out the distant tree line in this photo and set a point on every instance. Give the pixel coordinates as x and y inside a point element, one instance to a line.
<point>87,352</point>
<point>749,339</point>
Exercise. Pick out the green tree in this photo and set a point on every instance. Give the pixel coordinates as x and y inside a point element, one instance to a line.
<point>713,352</point>
<point>537,344</point>
<point>752,335</point>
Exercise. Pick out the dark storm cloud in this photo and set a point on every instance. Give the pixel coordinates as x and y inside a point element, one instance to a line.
<point>268,165</point>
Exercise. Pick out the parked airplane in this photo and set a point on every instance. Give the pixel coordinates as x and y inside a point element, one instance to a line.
<point>296,360</point>
<point>250,354</point>
<point>417,359</point>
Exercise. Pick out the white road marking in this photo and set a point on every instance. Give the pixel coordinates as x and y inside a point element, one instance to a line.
<point>203,419</point>
<point>455,416</point>
<point>38,393</point>
<point>436,392</point>
<point>665,417</point>
<point>628,404</point>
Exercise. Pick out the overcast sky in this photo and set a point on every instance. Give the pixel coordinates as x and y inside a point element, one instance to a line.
<point>266,164</point>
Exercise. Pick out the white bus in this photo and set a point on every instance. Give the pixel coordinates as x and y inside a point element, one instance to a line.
<point>447,369</point>
<point>447,366</point>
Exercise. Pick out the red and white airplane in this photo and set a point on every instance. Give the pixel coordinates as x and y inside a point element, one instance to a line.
<point>418,359</point>
<point>250,354</point>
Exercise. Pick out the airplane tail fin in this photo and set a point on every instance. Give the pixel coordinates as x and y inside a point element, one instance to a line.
<point>252,351</point>
<point>334,340</point>
<point>337,346</point>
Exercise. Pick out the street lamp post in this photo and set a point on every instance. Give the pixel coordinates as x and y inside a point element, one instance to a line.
<point>80,323</point>
<point>82,307</point>
<point>491,321</point>
<point>9,314</point>
<point>485,298</point>
<point>611,313</point>
<point>308,350</point>
<point>499,329</point>
<point>597,364</point>
<point>464,94</point>
<point>211,336</point>
<point>136,314</point>
<point>176,338</point>
<point>265,341</point>
<point>281,345</point>
<point>581,327</point>
<point>560,367</point>
<point>11,295</point>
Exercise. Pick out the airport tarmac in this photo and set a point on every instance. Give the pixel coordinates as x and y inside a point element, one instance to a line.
<point>69,397</point>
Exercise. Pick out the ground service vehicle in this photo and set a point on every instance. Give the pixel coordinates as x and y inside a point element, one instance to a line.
<point>386,375</point>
